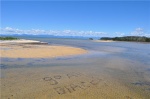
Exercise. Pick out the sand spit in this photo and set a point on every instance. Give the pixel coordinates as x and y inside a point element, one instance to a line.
<point>18,41</point>
<point>34,49</point>
<point>21,41</point>
<point>103,41</point>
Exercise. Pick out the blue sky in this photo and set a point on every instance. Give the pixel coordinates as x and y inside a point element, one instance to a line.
<point>76,18</point>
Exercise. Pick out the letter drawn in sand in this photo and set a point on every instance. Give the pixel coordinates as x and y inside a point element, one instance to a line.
<point>95,81</point>
<point>70,75</point>
<point>74,87</point>
<point>57,77</point>
<point>60,90</point>
<point>68,88</point>
<point>84,85</point>
<point>51,80</point>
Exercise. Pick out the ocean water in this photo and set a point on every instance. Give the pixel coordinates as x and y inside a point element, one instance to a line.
<point>110,70</point>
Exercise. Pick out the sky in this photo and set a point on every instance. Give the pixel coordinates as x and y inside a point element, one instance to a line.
<point>76,18</point>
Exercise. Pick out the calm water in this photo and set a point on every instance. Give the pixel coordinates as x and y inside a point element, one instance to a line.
<point>125,64</point>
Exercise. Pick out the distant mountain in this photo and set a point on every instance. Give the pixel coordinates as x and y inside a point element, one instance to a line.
<point>47,36</point>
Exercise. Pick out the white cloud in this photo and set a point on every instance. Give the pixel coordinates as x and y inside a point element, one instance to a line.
<point>119,34</point>
<point>9,30</point>
<point>140,32</point>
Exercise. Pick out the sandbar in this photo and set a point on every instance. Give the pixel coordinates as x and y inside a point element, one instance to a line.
<point>35,49</point>
<point>104,41</point>
<point>18,41</point>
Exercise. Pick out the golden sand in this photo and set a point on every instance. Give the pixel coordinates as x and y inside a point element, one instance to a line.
<point>37,51</point>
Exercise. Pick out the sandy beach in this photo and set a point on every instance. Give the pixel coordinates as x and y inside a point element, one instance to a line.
<point>105,71</point>
<point>35,49</point>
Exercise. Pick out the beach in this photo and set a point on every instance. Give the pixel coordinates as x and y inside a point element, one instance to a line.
<point>103,71</point>
<point>35,49</point>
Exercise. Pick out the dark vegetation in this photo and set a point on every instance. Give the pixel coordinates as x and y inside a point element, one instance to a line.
<point>8,38</point>
<point>128,38</point>
<point>90,38</point>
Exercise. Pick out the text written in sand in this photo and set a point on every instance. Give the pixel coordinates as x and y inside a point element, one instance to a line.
<point>75,86</point>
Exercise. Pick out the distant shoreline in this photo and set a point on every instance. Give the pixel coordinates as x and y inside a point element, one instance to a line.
<point>128,38</point>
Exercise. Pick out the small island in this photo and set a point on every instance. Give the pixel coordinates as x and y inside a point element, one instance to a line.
<point>128,38</point>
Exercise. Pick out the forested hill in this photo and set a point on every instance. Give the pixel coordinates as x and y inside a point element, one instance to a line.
<point>128,38</point>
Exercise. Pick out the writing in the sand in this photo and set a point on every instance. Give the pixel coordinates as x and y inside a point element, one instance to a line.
<point>54,80</point>
<point>77,85</point>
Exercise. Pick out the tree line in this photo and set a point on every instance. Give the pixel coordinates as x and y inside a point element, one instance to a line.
<point>8,38</point>
<point>128,38</point>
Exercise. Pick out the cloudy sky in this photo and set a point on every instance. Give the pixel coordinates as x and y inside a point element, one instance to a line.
<point>75,18</point>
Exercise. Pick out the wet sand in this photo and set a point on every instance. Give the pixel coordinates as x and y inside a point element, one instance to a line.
<point>18,49</point>
<point>104,76</point>
<point>78,82</point>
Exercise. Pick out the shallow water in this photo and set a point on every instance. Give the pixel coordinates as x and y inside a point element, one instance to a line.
<point>113,70</point>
